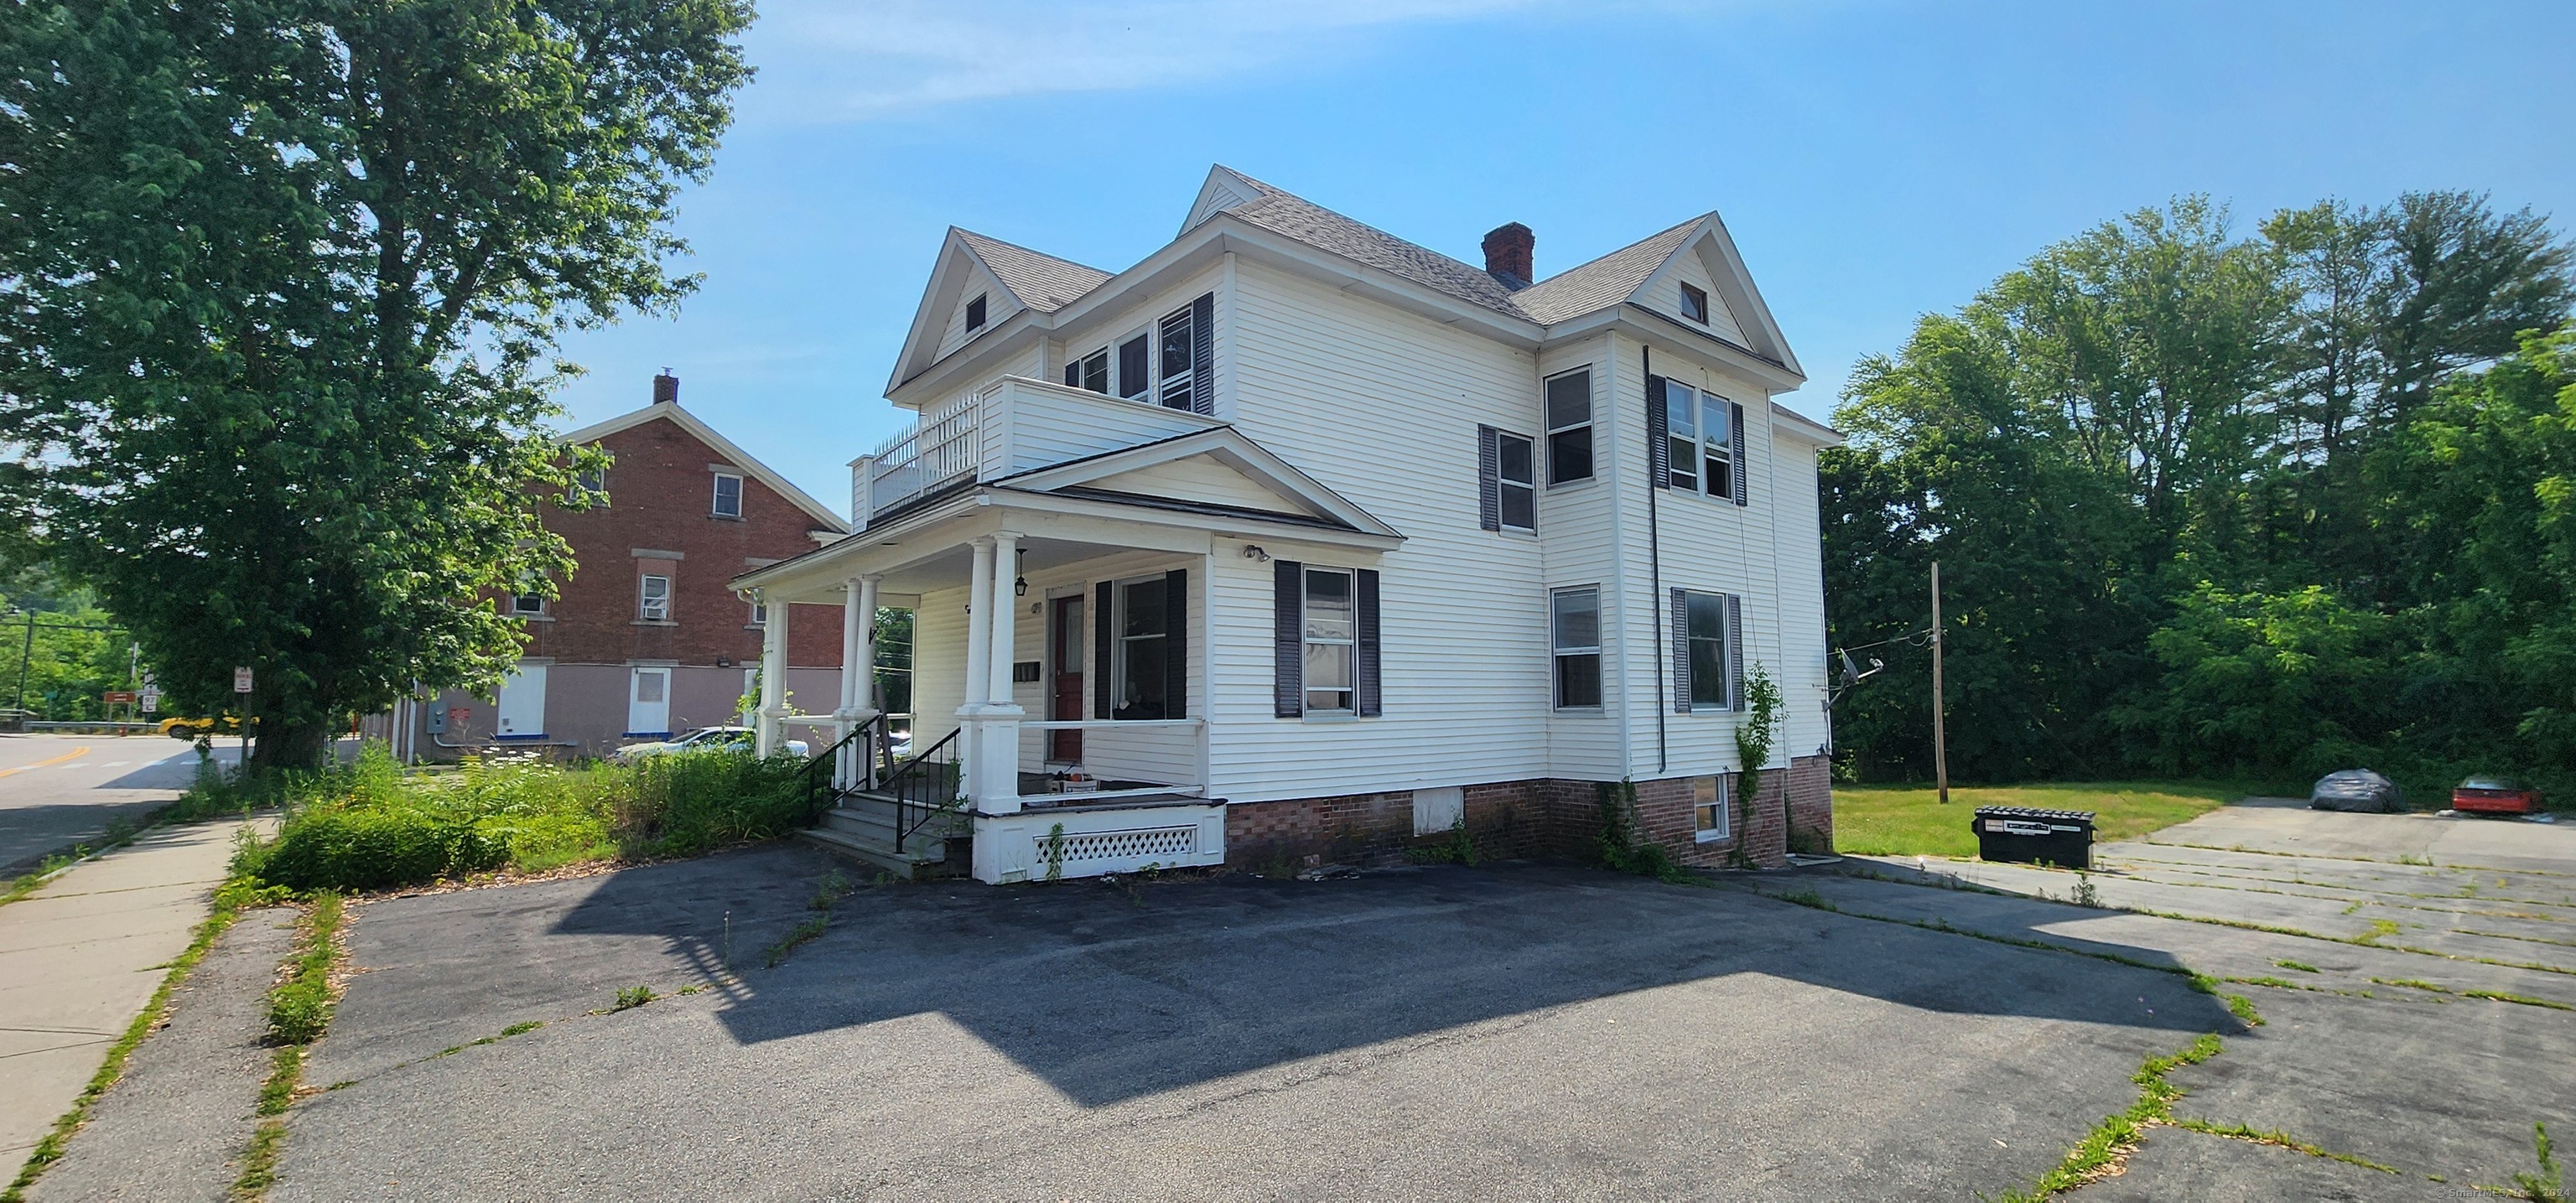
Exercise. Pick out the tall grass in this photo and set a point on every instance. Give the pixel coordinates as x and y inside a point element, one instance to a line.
<point>367,825</point>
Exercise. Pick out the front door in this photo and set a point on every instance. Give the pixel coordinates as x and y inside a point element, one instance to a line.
<point>1064,668</point>
<point>648,702</point>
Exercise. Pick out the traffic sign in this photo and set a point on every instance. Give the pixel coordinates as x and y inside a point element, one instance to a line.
<point>241,680</point>
<point>151,701</point>
<point>118,697</point>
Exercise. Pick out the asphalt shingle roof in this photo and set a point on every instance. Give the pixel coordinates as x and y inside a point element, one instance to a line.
<point>1591,287</point>
<point>1041,282</point>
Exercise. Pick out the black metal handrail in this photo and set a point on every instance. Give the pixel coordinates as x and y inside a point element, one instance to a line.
<point>821,791</point>
<point>924,788</point>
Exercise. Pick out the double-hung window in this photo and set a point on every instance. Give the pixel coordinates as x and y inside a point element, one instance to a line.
<point>653,598</point>
<point>1699,436</point>
<point>1330,646</point>
<point>1516,472</point>
<point>1144,650</point>
<point>1708,651</point>
<point>1575,618</point>
<point>1180,339</point>
<point>1089,372</point>
<point>1569,427</point>
<point>728,498</point>
<point>760,614</point>
<point>1708,808</point>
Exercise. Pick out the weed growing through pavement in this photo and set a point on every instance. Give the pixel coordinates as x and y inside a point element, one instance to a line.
<point>299,1012</point>
<point>2085,894</point>
<point>2380,929</point>
<point>2298,965</point>
<point>1458,849</point>
<point>1055,853</point>
<point>831,890</point>
<point>2547,1186</point>
<point>632,997</point>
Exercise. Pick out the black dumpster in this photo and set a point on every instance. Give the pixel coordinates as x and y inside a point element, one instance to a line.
<point>2063,838</point>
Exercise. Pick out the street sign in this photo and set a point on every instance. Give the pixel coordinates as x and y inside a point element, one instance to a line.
<point>151,701</point>
<point>118,697</point>
<point>241,680</point>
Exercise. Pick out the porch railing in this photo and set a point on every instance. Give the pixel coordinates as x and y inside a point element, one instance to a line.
<point>924,790</point>
<point>1163,756</point>
<point>938,450</point>
<point>823,773</point>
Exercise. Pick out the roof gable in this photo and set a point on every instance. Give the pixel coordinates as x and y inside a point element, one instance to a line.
<point>724,449</point>
<point>1221,467</point>
<point>1712,249</point>
<point>969,262</point>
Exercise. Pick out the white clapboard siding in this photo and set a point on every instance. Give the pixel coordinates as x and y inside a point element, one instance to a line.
<point>1666,296</point>
<point>999,305</point>
<point>1201,479</point>
<point>1805,675</point>
<point>1578,536</point>
<point>1382,406</point>
<point>1031,424</point>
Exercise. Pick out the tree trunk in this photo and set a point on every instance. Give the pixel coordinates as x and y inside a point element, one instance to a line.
<point>288,744</point>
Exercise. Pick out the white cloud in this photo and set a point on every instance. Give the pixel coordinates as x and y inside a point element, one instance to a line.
<point>823,61</point>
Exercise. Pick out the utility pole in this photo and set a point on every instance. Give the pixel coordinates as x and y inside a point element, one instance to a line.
<point>1940,739</point>
<point>24,655</point>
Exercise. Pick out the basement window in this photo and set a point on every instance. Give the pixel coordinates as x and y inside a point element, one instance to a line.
<point>1708,808</point>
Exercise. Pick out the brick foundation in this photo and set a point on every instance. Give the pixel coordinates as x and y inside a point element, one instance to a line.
<point>1541,817</point>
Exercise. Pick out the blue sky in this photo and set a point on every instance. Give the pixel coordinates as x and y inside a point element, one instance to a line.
<point>1875,161</point>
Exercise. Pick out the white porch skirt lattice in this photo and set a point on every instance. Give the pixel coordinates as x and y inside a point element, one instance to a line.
<point>1038,845</point>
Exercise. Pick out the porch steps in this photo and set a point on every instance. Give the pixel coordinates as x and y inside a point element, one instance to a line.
<point>862,828</point>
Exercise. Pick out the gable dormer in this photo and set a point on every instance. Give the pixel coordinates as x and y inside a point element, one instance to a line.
<point>977,286</point>
<point>1225,188</point>
<point>1705,284</point>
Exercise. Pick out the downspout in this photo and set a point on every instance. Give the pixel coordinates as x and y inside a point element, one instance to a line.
<point>1655,557</point>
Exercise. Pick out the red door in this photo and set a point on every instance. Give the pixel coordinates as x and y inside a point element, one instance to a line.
<point>1064,665</point>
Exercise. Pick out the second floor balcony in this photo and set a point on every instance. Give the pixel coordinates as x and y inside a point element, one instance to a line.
<point>1014,425</point>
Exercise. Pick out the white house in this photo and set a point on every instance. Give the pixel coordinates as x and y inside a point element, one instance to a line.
<point>1308,542</point>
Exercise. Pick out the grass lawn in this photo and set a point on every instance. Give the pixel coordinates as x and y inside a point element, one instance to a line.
<point>1906,820</point>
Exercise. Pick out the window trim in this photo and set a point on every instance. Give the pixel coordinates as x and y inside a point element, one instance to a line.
<point>977,312</point>
<point>1547,422</point>
<point>1503,484</point>
<point>1558,651</point>
<point>644,597</point>
<point>1726,657</point>
<point>1723,805</point>
<point>1168,384</point>
<point>1305,606</point>
<point>1703,444</point>
<point>715,496</point>
<point>1693,296</point>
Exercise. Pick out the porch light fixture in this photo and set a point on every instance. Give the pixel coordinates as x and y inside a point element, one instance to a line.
<point>1252,551</point>
<point>1019,573</point>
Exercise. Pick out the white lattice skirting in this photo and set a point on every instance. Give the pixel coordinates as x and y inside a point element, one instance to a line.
<point>1038,845</point>
<point>1169,844</point>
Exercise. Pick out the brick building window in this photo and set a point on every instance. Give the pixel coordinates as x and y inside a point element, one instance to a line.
<point>728,502</point>
<point>653,599</point>
<point>528,603</point>
<point>1708,808</point>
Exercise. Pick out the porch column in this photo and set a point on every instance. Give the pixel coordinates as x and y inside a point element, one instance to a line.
<point>773,674</point>
<point>858,674</point>
<point>979,651</point>
<point>996,788</point>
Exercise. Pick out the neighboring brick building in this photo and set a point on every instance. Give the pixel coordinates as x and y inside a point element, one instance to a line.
<point>647,638</point>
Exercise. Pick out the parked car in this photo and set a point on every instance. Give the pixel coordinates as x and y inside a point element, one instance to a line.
<point>704,739</point>
<point>2495,796</point>
<point>2357,789</point>
<point>191,728</point>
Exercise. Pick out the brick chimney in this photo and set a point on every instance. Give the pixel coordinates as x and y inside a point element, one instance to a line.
<point>1507,255</point>
<point>666,388</point>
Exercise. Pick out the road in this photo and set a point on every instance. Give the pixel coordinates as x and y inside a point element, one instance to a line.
<point>58,790</point>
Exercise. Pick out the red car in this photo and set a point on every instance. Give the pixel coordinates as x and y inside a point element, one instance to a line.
<point>2495,796</point>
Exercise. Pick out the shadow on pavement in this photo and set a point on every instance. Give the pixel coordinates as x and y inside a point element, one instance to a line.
<point>1112,991</point>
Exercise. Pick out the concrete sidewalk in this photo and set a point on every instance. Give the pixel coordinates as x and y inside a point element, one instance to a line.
<point>81,956</point>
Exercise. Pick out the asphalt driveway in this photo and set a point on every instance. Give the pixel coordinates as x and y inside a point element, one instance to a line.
<point>1447,1033</point>
<point>1503,1032</point>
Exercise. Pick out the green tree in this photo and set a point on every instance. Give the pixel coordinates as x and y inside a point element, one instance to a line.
<point>280,282</point>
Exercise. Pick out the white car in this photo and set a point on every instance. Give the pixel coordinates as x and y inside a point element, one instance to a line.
<point>704,739</point>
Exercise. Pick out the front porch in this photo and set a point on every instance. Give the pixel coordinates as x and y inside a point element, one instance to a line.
<point>1062,619</point>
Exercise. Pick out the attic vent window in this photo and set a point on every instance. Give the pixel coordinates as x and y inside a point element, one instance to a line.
<point>975,314</point>
<point>1694,304</point>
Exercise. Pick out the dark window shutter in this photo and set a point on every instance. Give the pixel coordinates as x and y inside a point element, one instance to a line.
<point>1736,453</point>
<point>1681,652</point>
<point>1203,354</point>
<point>1073,374</point>
<point>1735,654</point>
<point>1489,478</point>
<point>1176,643</point>
<point>1288,688</point>
<point>1104,646</point>
<point>1659,450</point>
<point>1364,612</point>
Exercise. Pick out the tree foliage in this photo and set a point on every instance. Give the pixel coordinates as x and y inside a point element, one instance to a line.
<point>2215,503</point>
<point>280,282</point>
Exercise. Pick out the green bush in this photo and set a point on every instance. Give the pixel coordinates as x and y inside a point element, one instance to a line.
<point>366,826</point>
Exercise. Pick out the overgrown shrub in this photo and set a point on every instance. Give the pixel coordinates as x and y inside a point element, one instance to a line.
<point>366,826</point>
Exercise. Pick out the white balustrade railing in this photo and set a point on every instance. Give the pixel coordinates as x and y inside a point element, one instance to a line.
<point>939,450</point>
